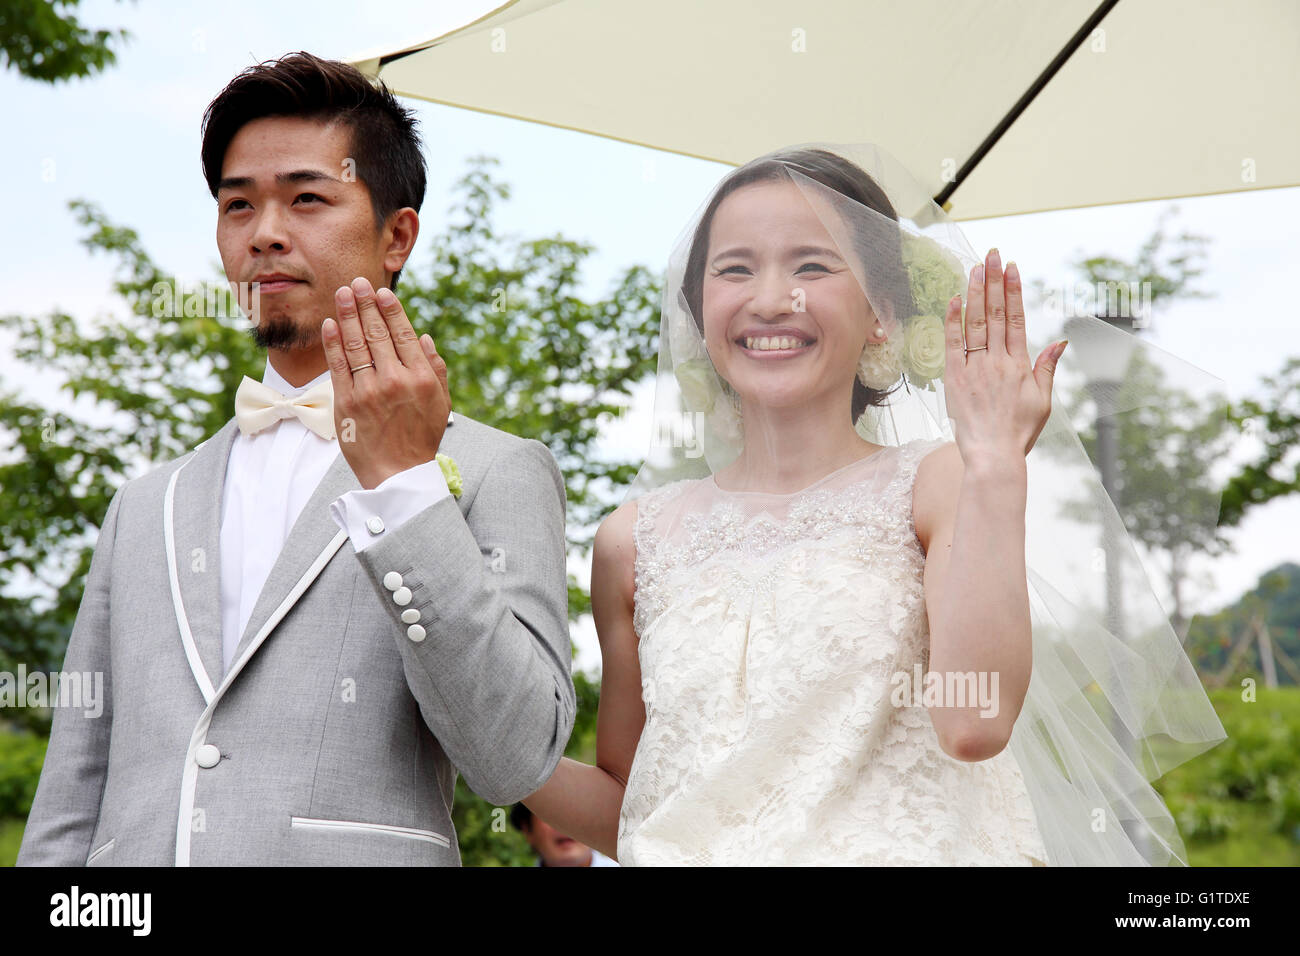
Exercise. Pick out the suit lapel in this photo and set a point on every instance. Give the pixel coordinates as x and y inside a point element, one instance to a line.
<point>196,530</point>
<point>193,522</point>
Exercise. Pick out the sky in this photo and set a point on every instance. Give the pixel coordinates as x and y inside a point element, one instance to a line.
<point>128,140</point>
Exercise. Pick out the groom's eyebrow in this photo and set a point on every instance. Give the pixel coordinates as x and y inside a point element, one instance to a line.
<point>281,179</point>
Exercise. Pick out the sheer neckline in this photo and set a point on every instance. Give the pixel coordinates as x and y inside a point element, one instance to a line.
<point>822,480</point>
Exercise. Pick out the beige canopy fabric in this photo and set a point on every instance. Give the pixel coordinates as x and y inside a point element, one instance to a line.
<point>1056,103</point>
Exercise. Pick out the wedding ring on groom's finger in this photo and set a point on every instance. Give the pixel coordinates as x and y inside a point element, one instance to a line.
<point>360,367</point>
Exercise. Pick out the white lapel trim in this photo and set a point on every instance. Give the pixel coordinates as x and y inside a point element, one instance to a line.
<point>190,777</point>
<point>173,576</point>
<point>211,695</point>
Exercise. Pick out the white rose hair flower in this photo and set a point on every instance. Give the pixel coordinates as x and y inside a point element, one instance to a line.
<point>924,350</point>
<point>917,348</point>
<point>881,363</point>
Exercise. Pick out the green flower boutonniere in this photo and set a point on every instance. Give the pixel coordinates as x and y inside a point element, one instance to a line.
<point>451,472</point>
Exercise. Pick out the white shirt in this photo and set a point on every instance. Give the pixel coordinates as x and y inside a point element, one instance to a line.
<point>269,478</point>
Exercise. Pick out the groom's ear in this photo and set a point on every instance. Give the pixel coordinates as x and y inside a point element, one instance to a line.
<point>397,241</point>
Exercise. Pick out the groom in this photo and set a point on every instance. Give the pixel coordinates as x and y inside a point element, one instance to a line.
<point>304,632</point>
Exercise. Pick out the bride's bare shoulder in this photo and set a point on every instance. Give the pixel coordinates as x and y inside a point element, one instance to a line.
<point>616,528</point>
<point>613,557</point>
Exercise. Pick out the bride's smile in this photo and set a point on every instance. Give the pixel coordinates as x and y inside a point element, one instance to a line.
<point>779,343</point>
<point>784,316</point>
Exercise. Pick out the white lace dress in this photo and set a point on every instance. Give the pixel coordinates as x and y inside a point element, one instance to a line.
<point>772,628</point>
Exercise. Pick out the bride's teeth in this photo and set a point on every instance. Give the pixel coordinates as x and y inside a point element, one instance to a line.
<point>768,343</point>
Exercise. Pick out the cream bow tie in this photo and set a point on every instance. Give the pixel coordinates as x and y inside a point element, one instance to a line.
<point>259,406</point>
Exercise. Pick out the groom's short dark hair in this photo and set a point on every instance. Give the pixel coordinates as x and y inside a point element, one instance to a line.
<point>385,138</point>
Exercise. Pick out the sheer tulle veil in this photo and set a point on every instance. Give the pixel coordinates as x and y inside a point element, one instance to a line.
<point>1113,702</point>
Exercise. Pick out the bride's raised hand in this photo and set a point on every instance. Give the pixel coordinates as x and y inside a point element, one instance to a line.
<point>998,404</point>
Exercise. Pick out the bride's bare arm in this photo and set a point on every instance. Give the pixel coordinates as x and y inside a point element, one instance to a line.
<point>579,800</point>
<point>970,519</point>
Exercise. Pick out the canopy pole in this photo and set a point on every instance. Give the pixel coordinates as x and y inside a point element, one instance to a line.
<point>941,200</point>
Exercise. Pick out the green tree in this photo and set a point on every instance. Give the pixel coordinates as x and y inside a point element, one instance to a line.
<point>42,42</point>
<point>1226,647</point>
<point>1274,422</point>
<point>162,384</point>
<point>527,353</point>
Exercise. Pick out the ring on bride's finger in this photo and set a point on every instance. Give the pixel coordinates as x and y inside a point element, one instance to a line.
<point>976,349</point>
<point>360,367</point>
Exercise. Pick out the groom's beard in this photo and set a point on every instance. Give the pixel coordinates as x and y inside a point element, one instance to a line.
<point>281,332</point>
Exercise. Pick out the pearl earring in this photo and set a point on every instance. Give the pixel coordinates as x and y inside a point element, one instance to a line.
<point>880,333</point>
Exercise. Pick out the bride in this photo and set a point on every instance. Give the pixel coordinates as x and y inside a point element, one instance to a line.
<point>815,613</point>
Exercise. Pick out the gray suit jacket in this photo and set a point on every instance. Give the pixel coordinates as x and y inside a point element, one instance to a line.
<point>336,736</point>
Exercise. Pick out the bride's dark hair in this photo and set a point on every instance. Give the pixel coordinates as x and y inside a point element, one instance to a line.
<point>886,273</point>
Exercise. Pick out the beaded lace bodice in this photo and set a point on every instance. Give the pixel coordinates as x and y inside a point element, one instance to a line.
<point>772,630</point>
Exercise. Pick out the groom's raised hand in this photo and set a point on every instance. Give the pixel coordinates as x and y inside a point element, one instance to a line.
<point>390,386</point>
